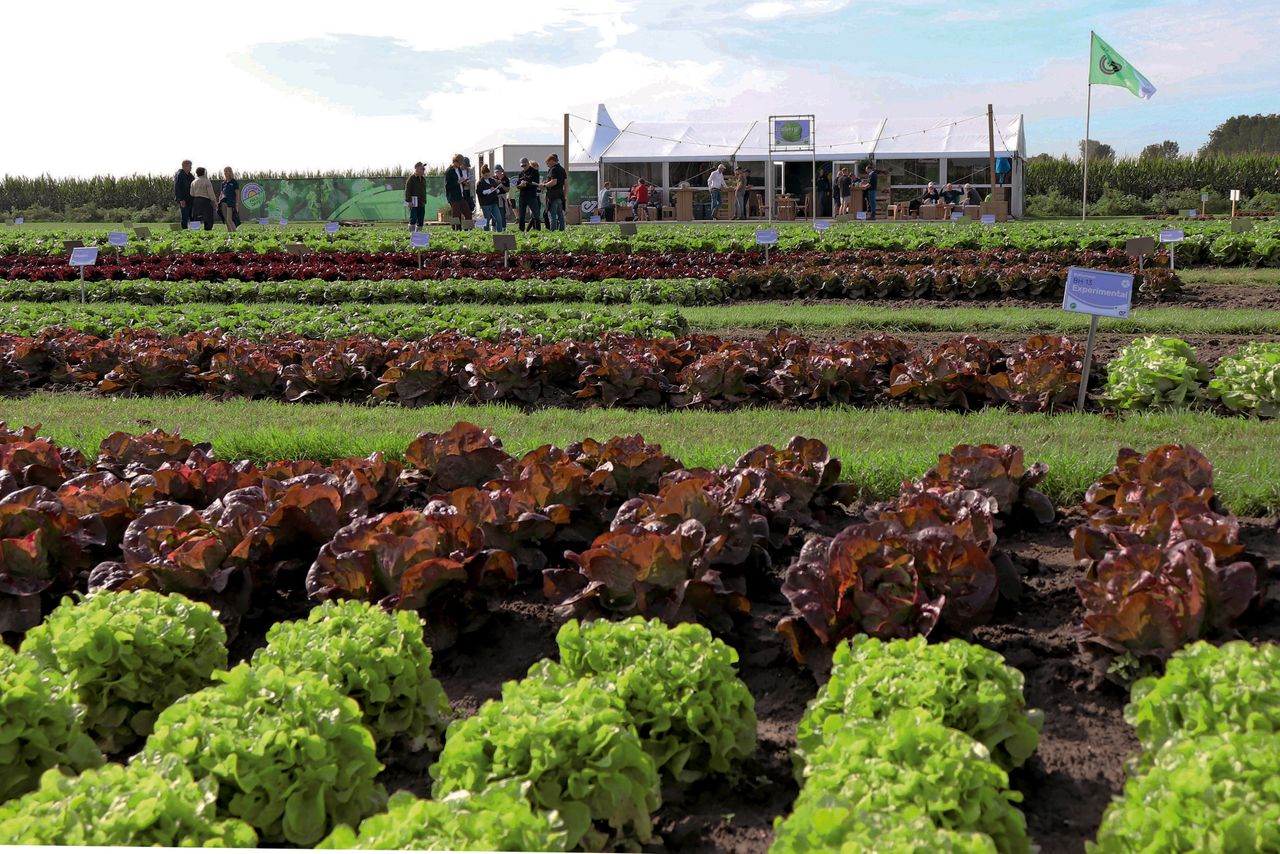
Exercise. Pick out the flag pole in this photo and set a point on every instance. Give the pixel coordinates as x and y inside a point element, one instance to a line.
<point>1088,107</point>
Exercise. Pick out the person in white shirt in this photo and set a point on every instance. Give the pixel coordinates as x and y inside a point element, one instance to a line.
<point>606,203</point>
<point>715,183</point>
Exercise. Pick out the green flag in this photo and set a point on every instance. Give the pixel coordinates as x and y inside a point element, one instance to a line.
<point>1109,68</point>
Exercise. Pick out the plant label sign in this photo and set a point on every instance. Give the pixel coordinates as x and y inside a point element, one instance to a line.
<point>1139,247</point>
<point>767,237</point>
<point>595,219</point>
<point>71,245</point>
<point>284,221</point>
<point>862,214</point>
<point>1172,235</point>
<point>142,232</point>
<point>420,239</point>
<point>504,243</point>
<point>481,223</point>
<point>1240,226</point>
<point>1204,197</point>
<point>195,225</point>
<point>262,220</point>
<point>627,229</point>
<point>1191,213</point>
<point>988,219</point>
<point>331,228</point>
<point>1235,195</point>
<point>1098,292</point>
<point>17,220</point>
<point>298,249</point>
<point>956,216</point>
<point>117,238</point>
<point>821,225</point>
<point>84,256</point>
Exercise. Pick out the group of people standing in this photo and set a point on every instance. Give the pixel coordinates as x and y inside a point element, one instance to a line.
<point>491,193</point>
<point>198,201</point>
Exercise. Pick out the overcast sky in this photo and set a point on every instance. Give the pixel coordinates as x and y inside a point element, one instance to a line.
<point>94,88</point>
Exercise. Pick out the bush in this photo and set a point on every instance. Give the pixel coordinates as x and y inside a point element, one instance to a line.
<point>39,725</point>
<point>1249,381</point>
<point>1154,372</point>
<point>1208,690</point>
<point>1115,203</point>
<point>1052,203</point>
<point>128,656</point>
<point>497,819</point>
<point>1262,202</point>
<point>964,686</point>
<point>289,753</point>
<point>829,824</point>
<point>120,805</point>
<point>910,762</point>
<point>572,741</point>
<point>1216,794</point>
<point>377,659</point>
<point>680,686</point>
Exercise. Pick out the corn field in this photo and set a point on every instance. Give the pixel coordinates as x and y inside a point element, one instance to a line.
<point>1249,173</point>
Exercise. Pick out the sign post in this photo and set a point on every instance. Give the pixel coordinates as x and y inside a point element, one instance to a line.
<point>1097,293</point>
<point>1140,248</point>
<point>767,237</point>
<point>83,256</point>
<point>506,244</point>
<point>419,240</point>
<point>1172,236</point>
<point>118,239</point>
<point>1235,197</point>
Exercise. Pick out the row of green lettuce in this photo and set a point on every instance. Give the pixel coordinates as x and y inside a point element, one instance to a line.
<point>1206,242</point>
<point>908,747</point>
<point>371,292</point>
<point>258,321</point>
<point>1205,779</point>
<point>1164,373</point>
<point>287,748</point>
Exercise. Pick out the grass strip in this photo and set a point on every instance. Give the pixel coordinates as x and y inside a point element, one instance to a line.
<point>1259,276</point>
<point>261,320</point>
<point>975,318</point>
<point>879,448</point>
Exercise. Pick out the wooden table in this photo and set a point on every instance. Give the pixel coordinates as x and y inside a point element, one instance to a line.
<point>786,208</point>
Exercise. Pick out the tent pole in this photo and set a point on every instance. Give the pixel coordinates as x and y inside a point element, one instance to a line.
<point>991,153</point>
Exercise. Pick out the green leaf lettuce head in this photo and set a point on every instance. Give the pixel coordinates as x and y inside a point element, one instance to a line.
<point>1249,381</point>
<point>963,685</point>
<point>572,741</point>
<point>133,805</point>
<point>1154,372</point>
<point>376,658</point>
<point>909,761</point>
<point>829,824</point>
<point>1207,690</point>
<point>680,686</point>
<point>290,754</point>
<point>497,819</point>
<point>39,725</point>
<point>128,656</point>
<point>1216,794</point>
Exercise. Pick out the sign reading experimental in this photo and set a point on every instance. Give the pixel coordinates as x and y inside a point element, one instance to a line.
<point>1098,292</point>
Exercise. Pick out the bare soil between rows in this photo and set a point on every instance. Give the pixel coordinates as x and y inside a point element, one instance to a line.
<point>1067,784</point>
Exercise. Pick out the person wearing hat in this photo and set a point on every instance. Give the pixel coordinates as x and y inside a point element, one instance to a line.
<point>715,183</point>
<point>527,183</point>
<point>415,194</point>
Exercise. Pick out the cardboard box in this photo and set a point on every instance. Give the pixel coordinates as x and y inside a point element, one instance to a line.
<point>931,211</point>
<point>972,212</point>
<point>1000,193</point>
<point>998,209</point>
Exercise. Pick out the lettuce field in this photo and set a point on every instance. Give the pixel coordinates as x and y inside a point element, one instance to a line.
<point>592,644</point>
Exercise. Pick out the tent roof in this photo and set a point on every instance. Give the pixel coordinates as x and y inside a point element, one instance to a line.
<point>588,140</point>
<point>850,139</point>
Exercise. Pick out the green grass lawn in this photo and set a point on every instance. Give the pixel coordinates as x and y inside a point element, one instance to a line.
<point>1260,276</point>
<point>974,317</point>
<point>879,448</point>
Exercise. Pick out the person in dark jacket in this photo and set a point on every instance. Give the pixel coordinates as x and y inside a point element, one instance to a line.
<point>527,183</point>
<point>453,192</point>
<point>468,187</point>
<point>489,189</point>
<point>415,194</point>
<point>823,200</point>
<point>229,199</point>
<point>971,195</point>
<point>182,191</point>
<point>504,196</point>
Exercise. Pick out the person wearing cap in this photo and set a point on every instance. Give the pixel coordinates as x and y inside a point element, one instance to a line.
<point>527,183</point>
<point>715,183</point>
<point>415,194</point>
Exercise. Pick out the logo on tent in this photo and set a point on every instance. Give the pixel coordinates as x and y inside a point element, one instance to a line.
<point>1108,65</point>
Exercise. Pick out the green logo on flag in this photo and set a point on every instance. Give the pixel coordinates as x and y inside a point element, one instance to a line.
<point>1108,68</point>
<point>1109,65</point>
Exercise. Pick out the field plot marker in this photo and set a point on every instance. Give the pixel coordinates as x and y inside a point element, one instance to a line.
<point>506,244</point>
<point>1140,248</point>
<point>83,256</point>
<point>419,240</point>
<point>766,237</point>
<point>1172,236</point>
<point>1097,293</point>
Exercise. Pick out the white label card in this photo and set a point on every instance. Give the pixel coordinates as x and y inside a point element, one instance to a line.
<point>117,238</point>
<point>420,239</point>
<point>767,237</point>
<point>84,256</point>
<point>331,228</point>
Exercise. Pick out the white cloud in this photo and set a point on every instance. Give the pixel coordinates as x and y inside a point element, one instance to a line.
<point>772,9</point>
